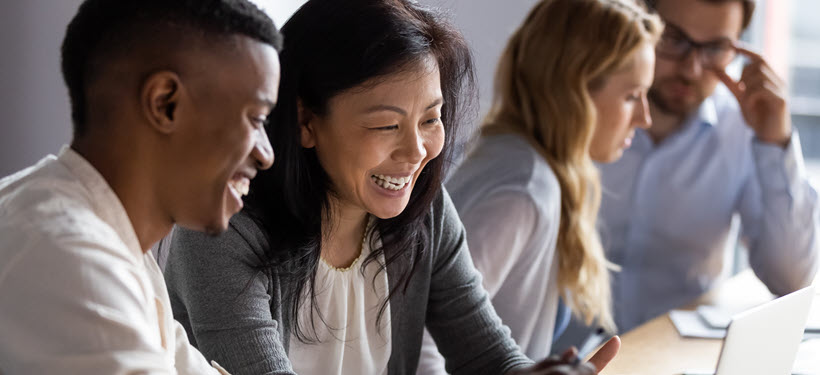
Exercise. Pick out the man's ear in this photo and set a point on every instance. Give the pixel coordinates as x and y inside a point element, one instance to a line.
<point>159,99</point>
<point>306,124</point>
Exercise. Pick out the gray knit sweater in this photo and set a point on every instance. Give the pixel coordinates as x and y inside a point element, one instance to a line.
<point>234,313</point>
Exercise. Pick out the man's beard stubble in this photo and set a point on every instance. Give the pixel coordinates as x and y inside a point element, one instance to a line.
<point>671,106</point>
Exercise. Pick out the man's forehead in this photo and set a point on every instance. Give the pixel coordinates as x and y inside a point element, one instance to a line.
<point>242,56</point>
<point>704,20</point>
<point>243,71</point>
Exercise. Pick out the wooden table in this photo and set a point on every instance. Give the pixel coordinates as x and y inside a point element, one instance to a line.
<point>656,348</point>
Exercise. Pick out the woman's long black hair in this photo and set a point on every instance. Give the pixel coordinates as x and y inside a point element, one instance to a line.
<point>332,46</point>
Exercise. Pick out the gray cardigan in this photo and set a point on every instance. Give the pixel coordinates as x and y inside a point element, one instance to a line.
<point>233,310</point>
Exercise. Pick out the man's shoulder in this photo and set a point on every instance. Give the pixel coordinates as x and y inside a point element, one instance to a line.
<point>43,209</point>
<point>43,195</point>
<point>28,176</point>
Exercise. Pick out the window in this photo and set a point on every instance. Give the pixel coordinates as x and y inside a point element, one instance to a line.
<point>804,79</point>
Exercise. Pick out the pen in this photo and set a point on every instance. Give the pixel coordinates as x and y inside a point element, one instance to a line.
<point>591,342</point>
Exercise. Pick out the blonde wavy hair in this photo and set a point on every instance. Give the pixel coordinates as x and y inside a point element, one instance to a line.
<point>564,50</point>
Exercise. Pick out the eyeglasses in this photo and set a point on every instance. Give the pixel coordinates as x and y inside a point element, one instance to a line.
<point>675,44</point>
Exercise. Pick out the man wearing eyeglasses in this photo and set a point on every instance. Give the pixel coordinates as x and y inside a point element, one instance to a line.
<point>718,148</point>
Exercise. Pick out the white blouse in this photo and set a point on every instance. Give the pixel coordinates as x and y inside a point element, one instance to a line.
<point>349,341</point>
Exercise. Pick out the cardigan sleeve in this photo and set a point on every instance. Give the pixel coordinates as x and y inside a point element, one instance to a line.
<point>460,318</point>
<point>219,290</point>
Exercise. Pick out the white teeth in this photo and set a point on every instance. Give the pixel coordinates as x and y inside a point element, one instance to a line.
<point>391,183</point>
<point>241,186</point>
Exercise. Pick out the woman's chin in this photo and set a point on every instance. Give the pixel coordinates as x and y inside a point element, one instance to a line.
<point>388,211</point>
<point>609,157</point>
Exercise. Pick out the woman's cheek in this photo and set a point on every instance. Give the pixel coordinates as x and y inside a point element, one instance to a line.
<point>435,142</point>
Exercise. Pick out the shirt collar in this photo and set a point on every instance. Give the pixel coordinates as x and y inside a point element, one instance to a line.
<point>105,201</point>
<point>706,113</point>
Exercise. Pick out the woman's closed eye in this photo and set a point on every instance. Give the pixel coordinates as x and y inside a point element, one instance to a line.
<point>388,127</point>
<point>636,96</point>
<point>433,121</point>
<point>259,121</point>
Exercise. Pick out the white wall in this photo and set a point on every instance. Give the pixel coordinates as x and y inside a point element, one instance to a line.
<point>279,10</point>
<point>33,100</point>
<point>487,25</point>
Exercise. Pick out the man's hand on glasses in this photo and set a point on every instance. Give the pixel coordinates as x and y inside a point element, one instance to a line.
<point>762,96</point>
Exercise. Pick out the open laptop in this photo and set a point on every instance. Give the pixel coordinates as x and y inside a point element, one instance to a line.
<point>764,340</point>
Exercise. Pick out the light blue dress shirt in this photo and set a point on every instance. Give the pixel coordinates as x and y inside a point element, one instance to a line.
<point>667,210</point>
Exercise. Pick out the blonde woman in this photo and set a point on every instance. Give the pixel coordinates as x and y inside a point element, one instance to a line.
<point>570,91</point>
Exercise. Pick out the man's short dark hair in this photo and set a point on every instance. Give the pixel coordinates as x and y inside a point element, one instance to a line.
<point>748,9</point>
<point>103,30</point>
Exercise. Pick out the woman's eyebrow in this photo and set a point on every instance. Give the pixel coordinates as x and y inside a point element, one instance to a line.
<point>392,108</point>
<point>385,107</point>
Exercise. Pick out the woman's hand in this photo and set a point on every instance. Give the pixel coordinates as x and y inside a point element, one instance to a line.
<point>570,364</point>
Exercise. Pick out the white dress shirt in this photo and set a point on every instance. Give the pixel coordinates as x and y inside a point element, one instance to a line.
<point>348,305</point>
<point>667,209</point>
<point>77,293</point>
<point>510,202</point>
